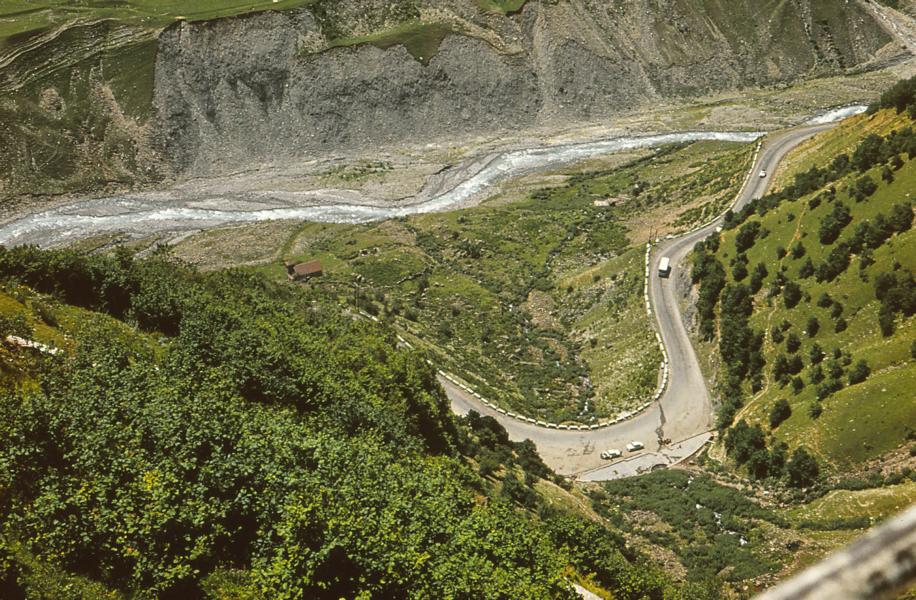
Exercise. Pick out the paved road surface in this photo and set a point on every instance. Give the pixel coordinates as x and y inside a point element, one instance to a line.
<point>684,411</point>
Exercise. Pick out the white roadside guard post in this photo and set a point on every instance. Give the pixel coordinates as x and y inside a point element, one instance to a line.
<point>879,565</point>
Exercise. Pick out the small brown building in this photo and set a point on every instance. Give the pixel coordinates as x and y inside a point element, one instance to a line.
<point>303,271</point>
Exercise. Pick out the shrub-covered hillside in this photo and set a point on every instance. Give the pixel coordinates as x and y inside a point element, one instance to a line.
<point>221,436</point>
<point>810,295</point>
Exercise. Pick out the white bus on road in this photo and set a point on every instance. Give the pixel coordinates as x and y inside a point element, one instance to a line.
<point>664,267</point>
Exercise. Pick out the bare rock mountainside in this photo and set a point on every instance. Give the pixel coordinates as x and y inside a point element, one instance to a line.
<point>235,90</point>
<point>111,102</point>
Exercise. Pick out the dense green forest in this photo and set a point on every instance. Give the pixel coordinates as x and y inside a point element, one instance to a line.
<point>222,436</point>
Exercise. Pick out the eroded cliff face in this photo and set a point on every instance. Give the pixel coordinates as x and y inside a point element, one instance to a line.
<point>263,88</point>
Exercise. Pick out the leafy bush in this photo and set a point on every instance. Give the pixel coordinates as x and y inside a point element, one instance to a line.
<point>272,445</point>
<point>688,504</point>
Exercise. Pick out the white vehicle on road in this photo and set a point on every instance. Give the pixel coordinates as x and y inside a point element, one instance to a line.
<point>613,453</point>
<point>763,174</point>
<point>664,267</point>
<point>634,446</point>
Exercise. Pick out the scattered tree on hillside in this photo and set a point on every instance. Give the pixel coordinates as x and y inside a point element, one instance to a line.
<point>779,413</point>
<point>743,440</point>
<point>746,236</point>
<point>859,372</point>
<point>791,294</point>
<point>899,97</point>
<point>815,354</point>
<point>781,369</point>
<point>815,410</point>
<point>887,175</point>
<point>897,293</point>
<point>807,269</point>
<point>835,263</point>
<point>739,271</point>
<point>793,343</point>
<point>901,218</point>
<point>869,152</point>
<point>816,375</point>
<point>710,274</point>
<point>864,187</point>
<point>776,334</point>
<point>829,387</point>
<point>832,224</point>
<point>813,326</point>
<point>757,277</point>
<point>802,468</point>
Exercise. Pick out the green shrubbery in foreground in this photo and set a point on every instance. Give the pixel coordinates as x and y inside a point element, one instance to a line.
<point>248,440</point>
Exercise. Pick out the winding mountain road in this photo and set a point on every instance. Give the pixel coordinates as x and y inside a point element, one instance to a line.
<point>684,413</point>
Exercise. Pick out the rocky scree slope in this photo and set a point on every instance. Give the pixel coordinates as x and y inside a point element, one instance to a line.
<point>104,102</point>
<point>262,88</point>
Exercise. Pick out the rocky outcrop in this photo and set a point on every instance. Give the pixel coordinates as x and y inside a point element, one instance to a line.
<point>236,91</point>
<point>253,89</point>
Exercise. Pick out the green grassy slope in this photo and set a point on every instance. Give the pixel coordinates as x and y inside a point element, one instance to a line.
<point>855,420</point>
<point>20,18</point>
<point>859,421</point>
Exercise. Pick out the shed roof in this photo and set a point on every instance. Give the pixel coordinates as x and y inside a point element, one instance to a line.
<point>311,267</point>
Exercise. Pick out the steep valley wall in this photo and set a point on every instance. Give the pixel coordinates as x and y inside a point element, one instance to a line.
<point>234,91</point>
<point>104,104</point>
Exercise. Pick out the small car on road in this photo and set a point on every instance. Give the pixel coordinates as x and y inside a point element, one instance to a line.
<point>612,453</point>
<point>763,174</point>
<point>634,446</point>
